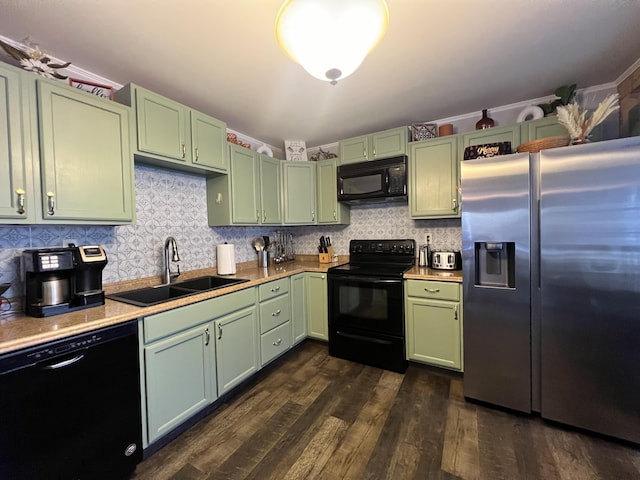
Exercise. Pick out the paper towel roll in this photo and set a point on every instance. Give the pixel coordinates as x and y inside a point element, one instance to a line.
<point>226,257</point>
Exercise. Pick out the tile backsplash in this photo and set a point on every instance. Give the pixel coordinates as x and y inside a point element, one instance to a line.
<point>174,204</point>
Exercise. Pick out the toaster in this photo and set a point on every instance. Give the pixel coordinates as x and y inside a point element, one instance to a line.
<point>446,260</point>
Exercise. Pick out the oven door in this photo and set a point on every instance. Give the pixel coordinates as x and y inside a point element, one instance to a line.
<point>373,304</point>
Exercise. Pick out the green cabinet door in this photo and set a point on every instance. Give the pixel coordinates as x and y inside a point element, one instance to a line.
<point>298,299</point>
<point>17,197</point>
<point>541,128</point>
<point>270,186</point>
<point>86,164</point>
<point>299,193</point>
<point>317,309</point>
<point>236,348</point>
<point>491,135</point>
<point>208,141</point>
<point>388,143</point>
<point>433,178</point>
<point>384,144</point>
<point>329,209</point>
<point>179,379</point>
<point>433,332</point>
<point>161,125</point>
<point>355,149</point>
<point>245,185</point>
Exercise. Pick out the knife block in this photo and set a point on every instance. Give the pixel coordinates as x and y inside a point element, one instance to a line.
<point>326,257</point>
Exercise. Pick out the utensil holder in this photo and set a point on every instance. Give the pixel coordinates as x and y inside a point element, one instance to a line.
<point>263,259</point>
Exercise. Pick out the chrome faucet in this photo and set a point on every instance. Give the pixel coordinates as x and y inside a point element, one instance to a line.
<point>168,275</point>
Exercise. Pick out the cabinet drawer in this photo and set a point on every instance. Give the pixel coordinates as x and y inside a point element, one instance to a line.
<point>275,342</point>
<point>274,312</point>
<point>172,321</point>
<point>273,289</point>
<point>433,289</point>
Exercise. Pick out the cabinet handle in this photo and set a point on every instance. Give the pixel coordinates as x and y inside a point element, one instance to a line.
<point>364,153</point>
<point>313,215</point>
<point>20,201</point>
<point>219,331</point>
<point>455,312</point>
<point>322,277</point>
<point>277,342</point>
<point>275,289</point>
<point>197,155</point>
<point>454,204</point>
<point>432,290</point>
<point>257,215</point>
<point>51,203</point>
<point>374,152</point>
<point>264,215</point>
<point>207,337</point>
<point>276,313</point>
<point>184,150</point>
<point>335,215</point>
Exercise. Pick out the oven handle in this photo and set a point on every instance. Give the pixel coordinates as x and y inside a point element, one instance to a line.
<point>363,338</point>
<point>366,279</point>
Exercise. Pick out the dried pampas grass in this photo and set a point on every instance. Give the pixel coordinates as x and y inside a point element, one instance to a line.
<point>577,121</point>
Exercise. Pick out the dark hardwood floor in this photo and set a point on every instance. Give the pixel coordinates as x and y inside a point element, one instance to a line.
<point>312,416</point>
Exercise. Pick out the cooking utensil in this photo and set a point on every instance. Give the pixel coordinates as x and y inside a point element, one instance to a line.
<point>258,244</point>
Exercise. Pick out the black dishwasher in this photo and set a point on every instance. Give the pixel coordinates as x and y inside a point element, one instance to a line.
<point>70,409</point>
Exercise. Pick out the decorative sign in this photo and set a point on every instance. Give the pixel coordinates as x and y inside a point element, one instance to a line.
<point>423,131</point>
<point>295,150</point>
<point>104,91</point>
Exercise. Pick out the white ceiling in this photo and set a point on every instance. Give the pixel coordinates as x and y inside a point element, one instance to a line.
<point>438,58</point>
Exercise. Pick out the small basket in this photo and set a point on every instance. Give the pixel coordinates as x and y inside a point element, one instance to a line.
<point>543,144</point>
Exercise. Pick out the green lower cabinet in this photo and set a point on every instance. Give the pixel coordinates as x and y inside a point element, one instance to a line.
<point>236,348</point>
<point>298,299</point>
<point>434,323</point>
<point>180,379</point>
<point>317,311</point>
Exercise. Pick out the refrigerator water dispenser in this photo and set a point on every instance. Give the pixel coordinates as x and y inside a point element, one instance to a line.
<point>495,264</point>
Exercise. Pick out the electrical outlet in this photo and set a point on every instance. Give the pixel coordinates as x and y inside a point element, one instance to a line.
<point>67,241</point>
<point>428,238</point>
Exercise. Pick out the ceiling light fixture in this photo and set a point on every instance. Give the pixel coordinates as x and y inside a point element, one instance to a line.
<point>331,38</point>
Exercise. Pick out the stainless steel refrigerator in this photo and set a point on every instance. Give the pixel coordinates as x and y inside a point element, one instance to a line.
<point>551,262</point>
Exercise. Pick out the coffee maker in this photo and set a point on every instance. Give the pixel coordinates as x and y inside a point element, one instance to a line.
<point>61,280</point>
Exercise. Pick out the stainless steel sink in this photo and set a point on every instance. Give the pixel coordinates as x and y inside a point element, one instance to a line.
<point>145,297</point>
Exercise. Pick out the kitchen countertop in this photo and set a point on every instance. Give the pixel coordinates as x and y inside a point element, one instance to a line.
<point>425,273</point>
<point>18,330</point>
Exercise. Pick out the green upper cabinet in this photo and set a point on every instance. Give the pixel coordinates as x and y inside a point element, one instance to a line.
<point>208,141</point>
<point>270,186</point>
<point>510,133</point>
<point>86,164</point>
<point>433,178</point>
<point>250,194</point>
<point>299,193</point>
<point>245,185</point>
<point>17,197</point>
<point>544,127</point>
<point>172,135</point>
<point>387,143</point>
<point>329,210</point>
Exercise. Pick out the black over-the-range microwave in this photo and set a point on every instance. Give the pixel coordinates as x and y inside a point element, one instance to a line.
<point>373,181</point>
